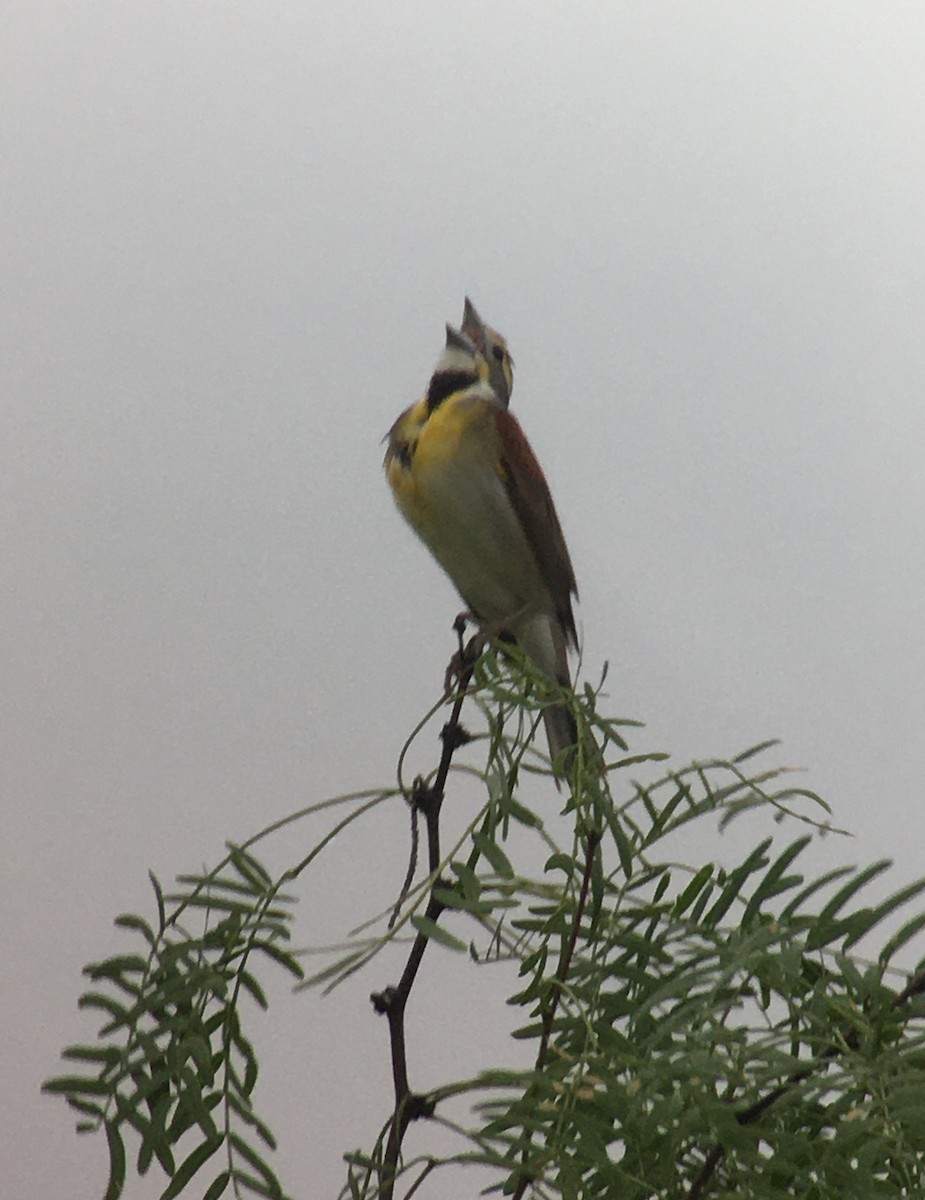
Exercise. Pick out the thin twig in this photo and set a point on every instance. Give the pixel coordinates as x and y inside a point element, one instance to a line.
<point>593,840</point>
<point>748,1116</point>
<point>427,799</point>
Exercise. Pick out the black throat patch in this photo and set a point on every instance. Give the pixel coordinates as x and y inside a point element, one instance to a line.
<point>445,383</point>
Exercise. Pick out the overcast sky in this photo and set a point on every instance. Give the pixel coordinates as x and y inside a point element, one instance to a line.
<point>230,235</point>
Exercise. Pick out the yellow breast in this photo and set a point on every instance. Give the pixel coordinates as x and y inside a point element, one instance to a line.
<point>447,481</point>
<point>424,449</point>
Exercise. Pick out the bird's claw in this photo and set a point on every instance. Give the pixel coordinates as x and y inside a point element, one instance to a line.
<point>462,661</point>
<point>460,665</point>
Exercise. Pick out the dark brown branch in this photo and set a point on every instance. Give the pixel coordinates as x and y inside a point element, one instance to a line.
<point>426,799</point>
<point>748,1116</point>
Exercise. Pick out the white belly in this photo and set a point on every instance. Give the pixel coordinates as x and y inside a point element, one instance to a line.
<point>473,532</point>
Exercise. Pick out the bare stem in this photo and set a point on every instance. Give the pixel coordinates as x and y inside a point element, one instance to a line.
<point>749,1115</point>
<point>593,840</point>
<point>427,799</point>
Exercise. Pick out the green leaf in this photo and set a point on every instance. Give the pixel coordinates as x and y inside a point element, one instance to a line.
<point>885,909</point>
<point>215,902</point>
<point>116,967</point>
<point>524,816</point>
<point>117,1011</point>
<point>282,958</point>
<point>246,1113</point>
<point>437,933</point>
<point>338,970</point>
<point>451,898</point>
<point>253,1183</point>
<point>469,882</point>
<point>250,985</point>
<point>250,1155</point>
<point>217,1186</point>
<point>493,852</point>
<point>190,1165</point>
<point>824,928</point>
<point>663,816</point>
<point>211,883</point>
<point>621,841</point>
<point>902,935</point>
<point>754,750</point>
<point>736,881</point>
<point>116,1181</point>
<point>251,1071</point>
<point>664,882</point>
<point>96,1111</point>
<point>250,870</point>
<point>561,862</point>
<point>810,890</point>
<point>106,1055</point>
<point>196,1047</point>
<point>76,1085</point>
<point>131,921</point>
<point>693,889</point>
<point>647,804</point>
<point>774,881</point>
<point>159,897</point>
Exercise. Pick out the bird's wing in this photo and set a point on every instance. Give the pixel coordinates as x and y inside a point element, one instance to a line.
<point>529,494</point>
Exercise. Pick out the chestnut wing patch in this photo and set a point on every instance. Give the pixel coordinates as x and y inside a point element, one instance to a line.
<point>529,494</point>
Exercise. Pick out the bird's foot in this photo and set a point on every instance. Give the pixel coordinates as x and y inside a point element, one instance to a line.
<point>461,662</point>
<point>469,652</point>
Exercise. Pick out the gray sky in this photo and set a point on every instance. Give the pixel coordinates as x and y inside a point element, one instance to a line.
<point>231,234</point>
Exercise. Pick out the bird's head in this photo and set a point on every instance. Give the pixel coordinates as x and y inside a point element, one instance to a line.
<point>492,348</point>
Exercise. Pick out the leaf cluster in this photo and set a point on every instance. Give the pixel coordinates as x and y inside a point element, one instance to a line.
<point>172,1062</point>
<point>695,1027</point>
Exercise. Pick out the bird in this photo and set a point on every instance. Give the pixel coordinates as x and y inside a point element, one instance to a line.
<point>466,480</point>
<point>493,349</point>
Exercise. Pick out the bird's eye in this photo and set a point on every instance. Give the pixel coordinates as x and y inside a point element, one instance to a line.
<point>498,353</point>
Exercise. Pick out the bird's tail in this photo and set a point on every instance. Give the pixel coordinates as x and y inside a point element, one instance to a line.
<point>562,735</point>
<point>543,641</point>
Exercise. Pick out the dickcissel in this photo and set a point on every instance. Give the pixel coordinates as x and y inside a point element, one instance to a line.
<point>466,480</point>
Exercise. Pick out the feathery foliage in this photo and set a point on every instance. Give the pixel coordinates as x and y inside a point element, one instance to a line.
<point>695,1028</point>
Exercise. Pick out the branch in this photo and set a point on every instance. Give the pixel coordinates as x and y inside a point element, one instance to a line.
<point>427,799</point>
<point>748,1116</point>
